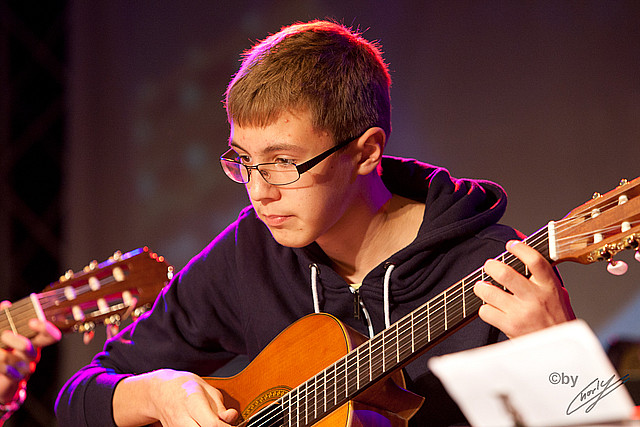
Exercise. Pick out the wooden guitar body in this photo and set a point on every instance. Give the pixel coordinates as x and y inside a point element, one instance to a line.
<point>297,354</point>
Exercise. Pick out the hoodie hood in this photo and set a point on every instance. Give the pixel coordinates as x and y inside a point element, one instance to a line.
<point>459,217</point>
<point>455,208</point>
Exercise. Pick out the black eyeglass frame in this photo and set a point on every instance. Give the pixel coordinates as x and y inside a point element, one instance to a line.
<point>301,168</point>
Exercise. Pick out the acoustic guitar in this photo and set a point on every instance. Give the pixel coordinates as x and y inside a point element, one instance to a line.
<point>102,293</point>
<point>353,381</point>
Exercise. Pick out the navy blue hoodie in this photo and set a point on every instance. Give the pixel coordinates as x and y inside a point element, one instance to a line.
<point>244,288</point>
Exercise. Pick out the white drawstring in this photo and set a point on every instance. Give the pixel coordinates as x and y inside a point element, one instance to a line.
<point>366,315</point>
<point>314,287</point>
<point>387,282</point>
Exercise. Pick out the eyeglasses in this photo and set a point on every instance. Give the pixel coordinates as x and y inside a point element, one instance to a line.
<point>274,173</point>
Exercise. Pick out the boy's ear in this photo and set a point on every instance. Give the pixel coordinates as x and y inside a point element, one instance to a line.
<point>371,146</point>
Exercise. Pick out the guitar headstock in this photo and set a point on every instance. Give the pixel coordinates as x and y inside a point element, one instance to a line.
<point>600,228</point>
<point>108,292</point>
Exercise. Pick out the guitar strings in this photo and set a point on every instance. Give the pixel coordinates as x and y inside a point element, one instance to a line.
<point>53,297</point>
<point>380,344</point>
<point>440,324</point>
<point>533,240</point>
<point>376,346</point>
<point>581,217</point>
<point>387,342</point>
<point>586,237</point>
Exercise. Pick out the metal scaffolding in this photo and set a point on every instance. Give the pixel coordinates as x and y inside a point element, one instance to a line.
<point>32,137</point>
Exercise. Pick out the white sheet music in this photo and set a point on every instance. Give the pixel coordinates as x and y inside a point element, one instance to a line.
<point>560,376</point>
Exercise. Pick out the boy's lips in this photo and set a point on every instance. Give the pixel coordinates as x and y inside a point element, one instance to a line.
<point>275,220</point>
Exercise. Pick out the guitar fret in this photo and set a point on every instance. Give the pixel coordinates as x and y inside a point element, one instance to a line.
<point>324,390</point>
<point>339,379</point>
<point>335,384</point>
<point>456,314</point>
<point>437,324</point>
<point>423,319</point>
<point>383,341</point>
<point>351,387</point>
<point>346,376</point>
<point>391,348</point>
<point>428,321</point>
<point>286,409</point>
<point>358,367</point>
<point>397,346</point>
<point>17,316</point>
<point>471,301</point>
<point>362,368</point>
<point>329,388</point>
<point>297,404</point>
<point>444,303</point>
<point>464,302</point>
<point>347,383</point>
<point>413,328</point>
<point>320,406</point>
<point>405,340</point>
<point>378,368</point>
<point>291,408</point>
<point>306,401</point>
<point>289,413</point>
<point>370,362</point>
<point>384,350</point>
<point>10,320</point>
<point>311,401</point>
<point>299,407</point>
<point>315,398</point>
<point>503,258</point>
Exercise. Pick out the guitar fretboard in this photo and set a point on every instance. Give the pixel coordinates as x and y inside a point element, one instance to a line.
<point>16,318</point>
<point>389,350</point>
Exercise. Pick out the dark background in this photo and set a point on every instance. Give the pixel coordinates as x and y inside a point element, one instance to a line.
<point>112,122</point>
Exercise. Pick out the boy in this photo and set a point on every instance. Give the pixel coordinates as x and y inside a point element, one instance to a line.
<point>332,227</point>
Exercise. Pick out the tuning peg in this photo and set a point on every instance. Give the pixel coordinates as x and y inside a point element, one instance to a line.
<point>617,268</point>
<point>87,337</point>
<point>112,330</point>
<point>67,276</point>
<point>92,266</point>
<point>117,256</point>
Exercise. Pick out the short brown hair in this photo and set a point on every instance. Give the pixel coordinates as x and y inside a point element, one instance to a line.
<point>323,66</point>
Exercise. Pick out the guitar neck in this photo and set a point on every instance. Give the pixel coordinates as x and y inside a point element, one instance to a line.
<point>16,318</point>
<point>396,346</point>
<point>122,286</point>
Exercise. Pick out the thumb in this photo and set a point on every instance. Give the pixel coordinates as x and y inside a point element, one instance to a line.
<point>228,415</point>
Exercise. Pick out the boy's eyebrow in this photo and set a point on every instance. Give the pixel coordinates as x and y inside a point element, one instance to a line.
<point>233,144</point>
<point>271,148</point>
